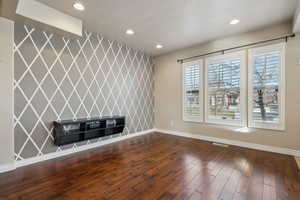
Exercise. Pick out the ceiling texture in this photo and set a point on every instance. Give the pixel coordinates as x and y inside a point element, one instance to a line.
<point>175,24</point>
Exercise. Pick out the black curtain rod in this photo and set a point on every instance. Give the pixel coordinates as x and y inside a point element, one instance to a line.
<point>237,47</point>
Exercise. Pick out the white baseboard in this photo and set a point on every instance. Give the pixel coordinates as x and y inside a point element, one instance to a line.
<point>7,167</point>
<point>280,150</point>
<point>49,156</point>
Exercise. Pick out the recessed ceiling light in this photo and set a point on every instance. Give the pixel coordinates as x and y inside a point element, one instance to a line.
<point>234,21</point>
<point>159,46</point>
<point>78,6</point>
<point>129,32</point>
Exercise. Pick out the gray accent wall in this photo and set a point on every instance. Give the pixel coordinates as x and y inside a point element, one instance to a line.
<point>58,78</point>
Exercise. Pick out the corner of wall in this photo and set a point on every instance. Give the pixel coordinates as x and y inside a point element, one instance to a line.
<point>6,89</point>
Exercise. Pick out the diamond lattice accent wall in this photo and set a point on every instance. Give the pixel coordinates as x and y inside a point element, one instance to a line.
<point>59,78</point>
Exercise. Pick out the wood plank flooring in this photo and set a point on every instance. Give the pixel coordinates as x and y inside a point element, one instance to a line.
<point>157,167</point>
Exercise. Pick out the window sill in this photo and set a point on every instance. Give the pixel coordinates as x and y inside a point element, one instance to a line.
<point>237,128</point>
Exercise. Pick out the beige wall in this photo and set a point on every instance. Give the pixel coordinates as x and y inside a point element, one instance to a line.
<point>168,92</point>
<point>8,9</point>
<point>6,91</point>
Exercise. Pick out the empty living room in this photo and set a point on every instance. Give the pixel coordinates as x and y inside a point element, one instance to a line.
<point>150,100</point>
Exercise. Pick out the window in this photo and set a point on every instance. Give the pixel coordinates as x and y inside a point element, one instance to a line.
<point>266,87</point>
<point>222,97</point>
<point>225,89</point>
<point>193,91</point>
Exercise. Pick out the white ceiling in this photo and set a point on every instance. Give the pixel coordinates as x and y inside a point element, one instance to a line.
<point>175,23</point>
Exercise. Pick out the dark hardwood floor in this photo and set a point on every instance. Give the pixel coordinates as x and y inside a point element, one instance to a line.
<point>157,166</point>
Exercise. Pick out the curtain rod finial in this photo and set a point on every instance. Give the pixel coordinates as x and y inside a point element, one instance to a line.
<point>180,61</point>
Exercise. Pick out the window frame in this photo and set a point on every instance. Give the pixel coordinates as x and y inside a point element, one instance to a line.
<point>186,118</point>
<point>243,88</point>
<point>281,47</point>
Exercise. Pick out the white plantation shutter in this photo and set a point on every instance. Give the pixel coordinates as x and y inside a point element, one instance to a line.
<point>222,97</point>
<point>193,91</point>
<point>225,92</point>
<point>266,87</point>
